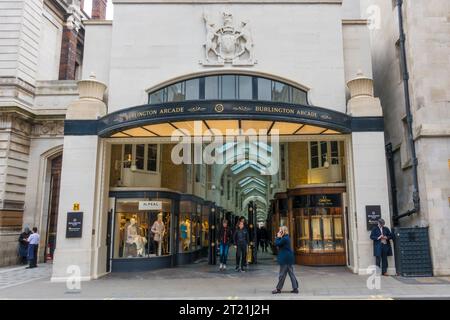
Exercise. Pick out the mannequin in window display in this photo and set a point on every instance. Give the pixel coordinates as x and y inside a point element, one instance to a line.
<point>185,232</point>
<point>132,234</point>
<point>205,228</point>
<point>140,245</point>
<point>159,230</point>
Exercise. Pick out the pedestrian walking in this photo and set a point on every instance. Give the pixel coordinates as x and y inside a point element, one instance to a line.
<point>263,238</point>
<point>225,237</point>
<point>23,245</point>
<point>381,237</point>
<point>33,245</point>
<point>241,239</point>
<point>285,260</point>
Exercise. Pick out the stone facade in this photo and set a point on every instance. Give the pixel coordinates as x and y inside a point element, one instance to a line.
<point>426,27</point>
<point>32,109</point>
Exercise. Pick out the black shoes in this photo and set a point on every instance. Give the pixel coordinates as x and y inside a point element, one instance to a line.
<point>276,291</point>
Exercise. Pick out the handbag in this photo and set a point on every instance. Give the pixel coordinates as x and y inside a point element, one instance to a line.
<point>249,254</point>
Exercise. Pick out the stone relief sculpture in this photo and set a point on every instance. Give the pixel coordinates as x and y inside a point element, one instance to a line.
<point>228,44</point>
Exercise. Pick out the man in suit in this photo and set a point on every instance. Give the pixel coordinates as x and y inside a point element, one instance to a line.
<point>381,237</point>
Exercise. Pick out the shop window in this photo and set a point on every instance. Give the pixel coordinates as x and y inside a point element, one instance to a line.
<point>314,147</point>
<point>128,156</point>
<point>205,226</point>
<point>152,157</point>
<point>323,152</point>
<point>191,226</point>
<point>140,156</point>
<point>334,146</point>
<point>318,224</point>
<point>141,233</point>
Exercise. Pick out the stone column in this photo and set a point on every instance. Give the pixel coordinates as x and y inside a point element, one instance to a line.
<point>369,175</point>
<point>81,180</point>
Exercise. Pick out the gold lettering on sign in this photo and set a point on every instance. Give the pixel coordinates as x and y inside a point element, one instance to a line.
<point>306,113</point>
<point>274,110</point>
<point>171,110</point>
<point>144,114</point>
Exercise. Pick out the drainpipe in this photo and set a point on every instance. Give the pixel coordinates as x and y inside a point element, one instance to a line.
<point>393,182</point>
<point>409,119</point>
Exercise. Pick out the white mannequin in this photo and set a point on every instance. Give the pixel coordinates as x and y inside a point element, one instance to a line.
<point>132,233</point>
<point>159,230</point>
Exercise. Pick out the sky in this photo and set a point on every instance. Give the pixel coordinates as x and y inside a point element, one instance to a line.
<point>109,8</point>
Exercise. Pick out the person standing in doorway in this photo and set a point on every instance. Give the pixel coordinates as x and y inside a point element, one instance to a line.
<point>23,245</point>
<point>225,236</point>
<point>381,237</point>
<point>33,245</point>
<point>285,260</point>
<point>241,239</point>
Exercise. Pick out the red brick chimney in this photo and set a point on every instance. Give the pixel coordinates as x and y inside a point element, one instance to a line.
<point>98,9</point>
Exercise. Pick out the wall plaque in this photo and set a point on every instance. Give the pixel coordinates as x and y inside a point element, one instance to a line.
<point>74,228</point>
<point>373,213</point>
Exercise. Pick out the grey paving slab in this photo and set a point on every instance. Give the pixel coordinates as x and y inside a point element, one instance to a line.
<point>198,281</point>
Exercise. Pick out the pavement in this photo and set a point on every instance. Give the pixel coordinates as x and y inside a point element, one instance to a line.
<point>202,281</point>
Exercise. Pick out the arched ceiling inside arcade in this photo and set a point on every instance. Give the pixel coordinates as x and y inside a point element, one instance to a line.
<point>246,176</point>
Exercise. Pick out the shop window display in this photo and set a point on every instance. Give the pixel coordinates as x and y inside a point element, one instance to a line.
<point>185,233</point>
<point>205,226</point>
<point>141,234</point>
<point>318,224</point>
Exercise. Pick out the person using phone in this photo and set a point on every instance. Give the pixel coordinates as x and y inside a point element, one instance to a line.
<point>285,259</point>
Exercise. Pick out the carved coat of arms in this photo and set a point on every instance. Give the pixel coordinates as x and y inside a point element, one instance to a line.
<point>228,43</point>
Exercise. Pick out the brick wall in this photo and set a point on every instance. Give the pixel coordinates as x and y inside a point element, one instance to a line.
<point>68,54</point>
<point>98,9</point>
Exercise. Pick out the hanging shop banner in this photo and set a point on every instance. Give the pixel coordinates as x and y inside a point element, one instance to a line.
<point>74,228</point>
<point>150,205</point>
<point>373,213</point>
